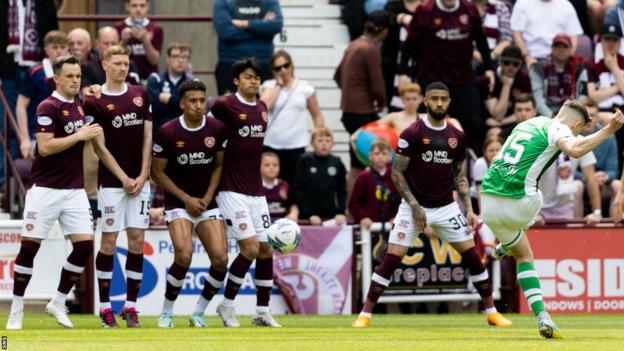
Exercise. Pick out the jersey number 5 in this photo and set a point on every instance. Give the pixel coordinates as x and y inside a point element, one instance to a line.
<point>513,148</point>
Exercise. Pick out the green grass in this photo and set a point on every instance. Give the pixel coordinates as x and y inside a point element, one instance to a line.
<point>387,332</point>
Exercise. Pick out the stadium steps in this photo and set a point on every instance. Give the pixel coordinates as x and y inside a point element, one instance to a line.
<point>316,37</point>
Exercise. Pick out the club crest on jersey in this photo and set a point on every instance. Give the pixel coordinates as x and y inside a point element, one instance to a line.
<point>138,101</point>
<point>242,226</point>
<point>463,19</point>
<point>437,21</point>
<point>331,170</point>
<point>80,110</point>
<point>452,142</point>
<point>65,113</point>
<point>110,107</point>
<point>242,117</point>
<point>30,227</point>
<point>209,142</point>
<point>110,221</point>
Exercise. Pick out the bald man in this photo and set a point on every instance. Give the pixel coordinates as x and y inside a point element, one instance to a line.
<point>80,44</point>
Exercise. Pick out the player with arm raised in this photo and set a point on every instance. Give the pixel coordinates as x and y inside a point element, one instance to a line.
<point>428,165</point>
<point>511,200</point>
<point>187,165</point>
<point>124,150</point>
<point>241,194</point>
<point>57,192</point>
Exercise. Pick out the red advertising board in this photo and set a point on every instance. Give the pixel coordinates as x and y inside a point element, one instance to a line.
<point>581,269</point>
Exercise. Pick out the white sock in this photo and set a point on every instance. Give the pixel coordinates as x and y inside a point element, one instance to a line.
<point>60,298</point>
<point>18,304</point>
<point>366,314</point>
<point>168,306</point>
<point>201,305</point>
<point>130,304</point>
<point>490,310</point>
<point>262,309</point>
<point>542,316</point>
<point>228,302</point>
<point>105,305</point>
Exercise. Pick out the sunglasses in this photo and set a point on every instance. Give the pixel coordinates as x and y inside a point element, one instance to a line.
<point>510,63</point>
<point>279,68</point>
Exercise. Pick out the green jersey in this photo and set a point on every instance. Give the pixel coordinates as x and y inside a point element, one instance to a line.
<point>528,152</point>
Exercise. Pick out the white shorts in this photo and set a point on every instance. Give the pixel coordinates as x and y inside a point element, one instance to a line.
<point>447,222</point>
<point>182,213</point>
<point>245,216</point>
<point>45,205</point>
<point>120,211</point>
<point>509,218</point>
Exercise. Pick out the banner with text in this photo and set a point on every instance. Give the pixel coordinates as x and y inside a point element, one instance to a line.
<point>581,269</point>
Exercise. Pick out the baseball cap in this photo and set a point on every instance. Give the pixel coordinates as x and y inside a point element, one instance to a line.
<point>381,19</point>
<point>562,39</point>
<point>511,52</point>
<point>611,30</point>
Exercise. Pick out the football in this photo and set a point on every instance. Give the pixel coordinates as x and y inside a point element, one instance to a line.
<point>284,235</point>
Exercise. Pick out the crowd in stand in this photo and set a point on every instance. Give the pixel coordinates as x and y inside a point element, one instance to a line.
<point>503,61</point>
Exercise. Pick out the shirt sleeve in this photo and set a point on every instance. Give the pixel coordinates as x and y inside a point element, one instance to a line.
<point>573,25</point>
<point>308,90</point>
<point>90,107</point>
<point>46,118</point>
<point>462,145</point>
<point>157,39</point>
<point>219,111</point>
<point>28,84</point>
<point>479,169</point>
<point>407,142</point>
<point>160,148</point>
<point>518,17</point>
<point>587,160</point>
<point>147,106</point>
<point>558,131</point>
<point>221,135</point>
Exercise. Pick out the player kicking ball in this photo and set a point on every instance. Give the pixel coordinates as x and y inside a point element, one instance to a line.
<point>187,164</point>
<point>241,194</point>
<point>428,165</point>
<point>510,199</point>
<point>57,192</point>
<point>124,150</point>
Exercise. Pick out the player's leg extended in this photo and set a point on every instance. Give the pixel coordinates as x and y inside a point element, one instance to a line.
<point>104,272</point>
<point>264,285</point>
<point>212,235</point>
<point>530,284</point>
<point>134,275</point>
<point>180,230</point>
<point>70,274</point>
<point>23,270</point>
<point>480,279</point>
<point>380,281</point>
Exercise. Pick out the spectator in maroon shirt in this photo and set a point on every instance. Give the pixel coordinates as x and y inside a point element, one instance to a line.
<point>441,39</point>
<point>143,37</point>
<point>374,197</point>
<point>277,191</point>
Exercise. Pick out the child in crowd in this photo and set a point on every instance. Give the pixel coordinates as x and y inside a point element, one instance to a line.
<point>277,191</point>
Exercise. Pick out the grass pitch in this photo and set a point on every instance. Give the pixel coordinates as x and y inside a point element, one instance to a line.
<point>387,332</point>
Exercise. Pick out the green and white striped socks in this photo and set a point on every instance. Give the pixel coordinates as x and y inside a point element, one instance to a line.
<point>530,285</point>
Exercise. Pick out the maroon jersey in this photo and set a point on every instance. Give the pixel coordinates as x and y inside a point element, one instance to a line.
<point>62,170</point>
<point>136,49</point>
<point>122,117</point>
<point>190,155</point>
<point>446,41</point>
<point>245,133</point>
<point>374,195</point>
<point>277,198</point>
<point>432,153</point>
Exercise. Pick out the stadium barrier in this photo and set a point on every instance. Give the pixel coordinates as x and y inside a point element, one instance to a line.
<point>431,271</point>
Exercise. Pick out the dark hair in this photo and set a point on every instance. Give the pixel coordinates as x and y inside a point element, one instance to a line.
<point>577,107</point>
<point>523,98</point>
<point>67,59</point>
<point>377,21</point>
<point>241,65</point>
<point>436,86</point>
<point>191,85</point>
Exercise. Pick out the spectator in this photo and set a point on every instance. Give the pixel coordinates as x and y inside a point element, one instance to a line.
<point>80,45</point>
<point>374,197</point>
<point>441,38</point>
<point>163,88</point>
<point>319,189</point>
<point>559,188</point>
<point>536,22</point>
<point>143,37</point>
<point>277,191</point>
<point>403,12</point>
<point>244,29</point>
<point>496,25</point>
<point>607,167</point>
<point>18,55</point>
<point>491,146</point>
<point>37,86</point>
<point>560,77</point>
<point>92,71</point>
<point>360,78</point>
<point>524,109</point>
<point>612,15</point>
<point>510,81</point>
<point>289,100</point>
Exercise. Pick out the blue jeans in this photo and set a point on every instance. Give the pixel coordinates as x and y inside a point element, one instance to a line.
<point>11,87</point>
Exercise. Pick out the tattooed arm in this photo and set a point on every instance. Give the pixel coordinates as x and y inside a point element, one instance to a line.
<point>399,165</point>
<point>463,188</point>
